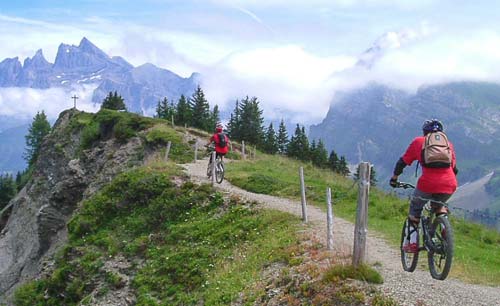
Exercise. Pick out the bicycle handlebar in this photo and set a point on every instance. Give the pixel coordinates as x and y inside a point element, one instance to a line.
<point>404,185</point>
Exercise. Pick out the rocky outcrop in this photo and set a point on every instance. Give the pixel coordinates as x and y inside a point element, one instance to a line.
<point>63,176</point>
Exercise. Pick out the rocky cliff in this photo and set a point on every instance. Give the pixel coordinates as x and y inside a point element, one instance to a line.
<point>65,173</point>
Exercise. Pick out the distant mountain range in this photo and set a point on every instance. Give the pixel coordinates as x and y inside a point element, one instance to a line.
<point>141,87</point>
<point>376,123</point>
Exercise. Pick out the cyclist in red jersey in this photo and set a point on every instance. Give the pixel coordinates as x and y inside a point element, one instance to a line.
<point>436,184</point>
<point>219,150</point>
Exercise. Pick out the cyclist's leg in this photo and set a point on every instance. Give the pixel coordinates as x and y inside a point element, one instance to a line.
<point>417,203</point>
<point>418,200</point>
<point>440,197</point>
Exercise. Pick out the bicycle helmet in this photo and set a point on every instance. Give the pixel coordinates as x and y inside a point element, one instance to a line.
<point>432,125</point>
<point>219,127</point>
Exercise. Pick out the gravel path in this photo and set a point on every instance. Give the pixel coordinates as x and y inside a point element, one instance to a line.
<point>417,288</point>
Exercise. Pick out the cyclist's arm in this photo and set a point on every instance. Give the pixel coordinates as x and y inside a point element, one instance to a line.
<point>210,141</point>
<point>453,159</point>
<point>408,157</point>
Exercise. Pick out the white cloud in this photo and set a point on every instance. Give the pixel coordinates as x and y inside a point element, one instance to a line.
<point>24,103</point>
<point>283,78</point>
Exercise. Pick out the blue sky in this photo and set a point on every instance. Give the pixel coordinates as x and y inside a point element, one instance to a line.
<point>293,55</point>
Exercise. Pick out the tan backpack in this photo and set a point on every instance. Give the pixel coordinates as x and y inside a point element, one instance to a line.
<point>436,151</point>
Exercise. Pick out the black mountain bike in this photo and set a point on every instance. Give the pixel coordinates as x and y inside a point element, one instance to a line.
<point>219,166</point>
<point>434,234</point>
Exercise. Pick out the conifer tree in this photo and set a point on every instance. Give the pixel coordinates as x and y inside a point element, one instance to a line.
<point>250,122</point>
<point>38,129</point>
<point>214,117</point>
<point>333,162</point>
<point>8,189</point>
<point>282,140</point>
<point>200,110</point>
<point>319,155</point>
<point>183,112</point>
<point>233,125</point>
<point>298,146</point>
<point>163,109</point>
<point>113,101</point>
<point>270,141</point>
<point>343,168</point>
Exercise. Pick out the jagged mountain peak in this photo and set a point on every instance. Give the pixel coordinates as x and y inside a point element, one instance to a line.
<point>87,46</point>
<point>86,56</point>
<point>37,61</point>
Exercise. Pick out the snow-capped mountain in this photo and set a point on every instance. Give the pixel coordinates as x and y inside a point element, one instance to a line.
<point>141,87</point>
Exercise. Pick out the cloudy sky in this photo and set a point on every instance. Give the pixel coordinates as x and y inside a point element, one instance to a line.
<point>292,55</point>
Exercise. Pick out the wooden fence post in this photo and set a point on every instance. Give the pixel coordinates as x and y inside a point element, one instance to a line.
<point>303,195</point>
<point>243,149</point>
<point>172,120</point>
<point>213,168</point>
<point>168,150</point>
<point>196,151</point>
<point>360,228</point>
<point>329,218</point>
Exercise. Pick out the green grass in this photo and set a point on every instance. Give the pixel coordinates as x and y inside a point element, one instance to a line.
<point>476,257</point>
<point>363,273</point>
<point>185,242</point>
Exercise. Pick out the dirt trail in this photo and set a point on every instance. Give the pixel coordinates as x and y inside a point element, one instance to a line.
<point>417,288</point>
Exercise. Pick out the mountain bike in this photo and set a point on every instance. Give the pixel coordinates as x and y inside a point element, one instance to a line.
<point>434,234</point>
<point>219,166</point>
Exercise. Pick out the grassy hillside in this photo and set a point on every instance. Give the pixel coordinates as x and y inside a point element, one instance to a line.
<point>476,249</point>
<point>152,237</point>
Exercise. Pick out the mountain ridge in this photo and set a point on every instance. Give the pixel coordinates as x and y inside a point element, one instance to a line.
<point>75,66</point>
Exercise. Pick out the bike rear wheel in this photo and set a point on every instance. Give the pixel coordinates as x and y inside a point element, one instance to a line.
<point>219,171</point>
<point>409,260</point>
<point>441,254</point>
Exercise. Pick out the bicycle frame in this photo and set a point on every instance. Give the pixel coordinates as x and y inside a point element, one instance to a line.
<point>437,239</point>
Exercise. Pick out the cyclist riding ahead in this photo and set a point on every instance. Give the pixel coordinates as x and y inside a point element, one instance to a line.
<point>221,141</point>
<point>438,180</point>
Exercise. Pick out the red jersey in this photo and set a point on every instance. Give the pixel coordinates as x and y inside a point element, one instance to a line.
<point>432,180</point>
<point>215,138</point>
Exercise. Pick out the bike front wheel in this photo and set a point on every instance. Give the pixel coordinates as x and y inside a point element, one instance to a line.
<point>441,254</point>
<point>408,259</point>
<point>219,172</point>
<point>209,169</point>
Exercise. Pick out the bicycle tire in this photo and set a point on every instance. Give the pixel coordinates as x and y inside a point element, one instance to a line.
<point>209,170</point>
<point>441,255</point>
<point>219,171</point>
<point>408,260</point>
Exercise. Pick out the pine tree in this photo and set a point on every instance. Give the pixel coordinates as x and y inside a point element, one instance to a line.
<point>214,117</point>
<point>250,122</point>
<point>162,109</point>
<point>343,168</point>
<point>282,140</point>
<point>333,162</point>
<point>304,144</point>
<point>320,155</point>
<point>8,189</point>
<point>234,126</point>
<point>38,129</point>
<point>183,112</point>
<point>270,141</point>
<point>200,110</point>
<point>298,146</point>
<point>113,101</point>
